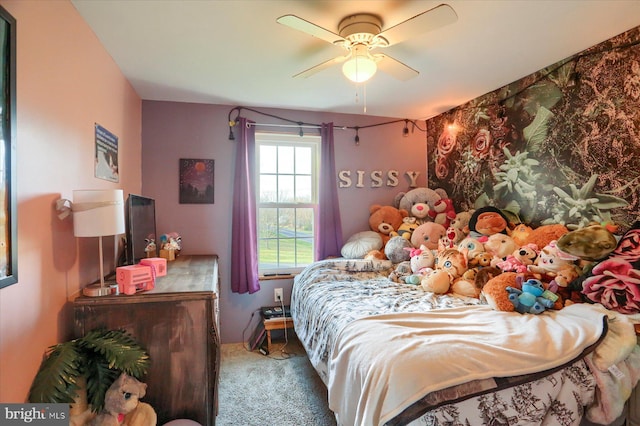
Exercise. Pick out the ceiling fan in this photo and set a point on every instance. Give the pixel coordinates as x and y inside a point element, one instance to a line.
<point>361,33</point>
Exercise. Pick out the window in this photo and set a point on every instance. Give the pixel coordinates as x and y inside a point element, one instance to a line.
<point>287,202</point>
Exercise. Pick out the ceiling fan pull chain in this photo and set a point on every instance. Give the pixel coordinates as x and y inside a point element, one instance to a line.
<point>364,93</point>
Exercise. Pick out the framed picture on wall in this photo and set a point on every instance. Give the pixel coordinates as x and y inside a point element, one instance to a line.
<point>106,161</point>
<point>8,211</point>
<point>196,181</point>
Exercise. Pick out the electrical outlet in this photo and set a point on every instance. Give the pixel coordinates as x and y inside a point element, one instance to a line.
<point>277,295</point>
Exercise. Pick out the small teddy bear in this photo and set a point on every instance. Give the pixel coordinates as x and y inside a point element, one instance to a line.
<point>385,219</point>
<point>520,259</point>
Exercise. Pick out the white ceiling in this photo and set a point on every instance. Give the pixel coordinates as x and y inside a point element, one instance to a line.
<point>233,52</point>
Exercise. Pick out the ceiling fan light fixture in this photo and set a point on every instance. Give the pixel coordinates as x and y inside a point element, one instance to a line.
<point>361,66</point>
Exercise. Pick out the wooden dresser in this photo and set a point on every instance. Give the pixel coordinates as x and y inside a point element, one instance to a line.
<point>178,324</point>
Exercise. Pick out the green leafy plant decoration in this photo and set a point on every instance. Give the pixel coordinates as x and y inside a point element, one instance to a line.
<point>583,205</point>
<point>536,132</point>
<point>100,356</point>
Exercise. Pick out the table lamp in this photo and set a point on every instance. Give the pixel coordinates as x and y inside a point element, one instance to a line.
<point>98,213</point>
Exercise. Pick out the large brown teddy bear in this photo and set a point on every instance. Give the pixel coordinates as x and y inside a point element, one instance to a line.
<point>385,219</point>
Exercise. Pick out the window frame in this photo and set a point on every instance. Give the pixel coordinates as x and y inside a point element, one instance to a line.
<point>282,140</point>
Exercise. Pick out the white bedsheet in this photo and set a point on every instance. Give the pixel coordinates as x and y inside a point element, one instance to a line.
<point>382,364</point>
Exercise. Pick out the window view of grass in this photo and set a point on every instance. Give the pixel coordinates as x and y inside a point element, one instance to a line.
<point>287,200</point>
<point>291,252</point>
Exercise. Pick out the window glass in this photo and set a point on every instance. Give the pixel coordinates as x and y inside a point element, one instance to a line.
<point>287,200</point>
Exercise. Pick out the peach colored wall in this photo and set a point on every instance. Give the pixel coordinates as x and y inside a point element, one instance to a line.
<point>66,82</point>
<point>171,131</point>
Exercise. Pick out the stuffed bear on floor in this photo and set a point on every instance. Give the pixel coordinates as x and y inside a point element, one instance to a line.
<point>122,405</point>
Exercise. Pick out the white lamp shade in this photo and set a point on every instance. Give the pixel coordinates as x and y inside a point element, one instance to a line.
<point>361,67</point>
<point>98,212</point>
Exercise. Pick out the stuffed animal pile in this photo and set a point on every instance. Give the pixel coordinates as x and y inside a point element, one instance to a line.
<point>480,254</point>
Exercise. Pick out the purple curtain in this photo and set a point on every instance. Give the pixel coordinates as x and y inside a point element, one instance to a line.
<point>329,227</point>
<point>244,238</point>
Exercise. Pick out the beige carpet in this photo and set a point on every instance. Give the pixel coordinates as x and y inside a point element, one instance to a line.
<point>278,389</point>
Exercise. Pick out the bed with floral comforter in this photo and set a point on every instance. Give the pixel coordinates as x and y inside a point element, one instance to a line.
<point>394,354</point>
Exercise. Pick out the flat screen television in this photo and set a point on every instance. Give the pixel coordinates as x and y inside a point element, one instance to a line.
<point>140,226</point>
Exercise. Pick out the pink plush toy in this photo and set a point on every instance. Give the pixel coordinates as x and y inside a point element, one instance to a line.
<point>422,259</point>
<point>443,212</point>
<point>429,233</point>
<point>549,263</point>
<point>520,259</point>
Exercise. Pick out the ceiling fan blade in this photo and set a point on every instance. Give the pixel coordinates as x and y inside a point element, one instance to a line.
<point>324,65</point>
<point>310,28</point>
<point>429,20</point>
<point>394,68</point>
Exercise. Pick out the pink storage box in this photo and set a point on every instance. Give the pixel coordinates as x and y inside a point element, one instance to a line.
<point>158,264</point>
<point>134,278</point>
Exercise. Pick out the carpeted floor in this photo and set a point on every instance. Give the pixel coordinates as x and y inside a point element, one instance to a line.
<point>281,389</point>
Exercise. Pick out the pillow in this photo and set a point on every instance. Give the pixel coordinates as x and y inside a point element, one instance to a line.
<point>615,281</point>
<point>360,244</point>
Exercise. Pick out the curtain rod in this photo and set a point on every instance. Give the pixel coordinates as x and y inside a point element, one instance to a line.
<point>297,126</point>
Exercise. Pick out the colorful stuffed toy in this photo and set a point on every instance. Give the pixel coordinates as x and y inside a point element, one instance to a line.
<point>121,404</point>
<point>532,298</point>
<point>495,293</point>
<point>406,229</point>
<point>549,263</point>
<point>471,247</point>
<point>421,259</point>
<point>563,285</point>
<point>385,219</point>
<point>455,235</point>
<point>422,262</point>
<point>544,234</point>
<point>500,246</point>
<point>520,233</point>
<point>520,259</point>
<point>488,221</point>
<point>461,223</point>
<point>443,212</point>
<point>401,272</point>
<point>397,249</point>
<point>428,234</point>
<point>418,201</point>
<point>451,265</point>
<point>592,243</point>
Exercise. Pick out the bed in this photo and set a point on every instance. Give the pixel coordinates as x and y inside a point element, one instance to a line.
<point>393,354</point>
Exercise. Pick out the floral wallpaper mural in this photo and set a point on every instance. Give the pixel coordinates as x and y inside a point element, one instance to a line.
<point>559,146</point>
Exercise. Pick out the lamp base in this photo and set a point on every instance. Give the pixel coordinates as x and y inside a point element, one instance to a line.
<point>96,290</point>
